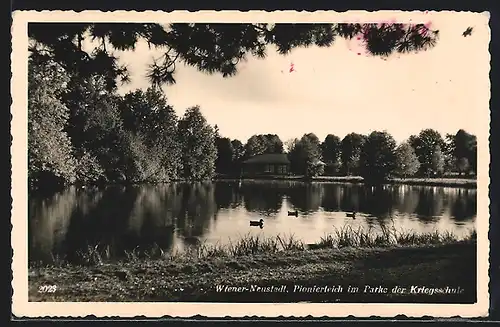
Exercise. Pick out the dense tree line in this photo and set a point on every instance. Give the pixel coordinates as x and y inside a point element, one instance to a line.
<point>81,133</point>
<point>375,156</point>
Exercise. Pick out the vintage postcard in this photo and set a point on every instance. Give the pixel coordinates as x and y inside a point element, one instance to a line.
<point>250,163</point>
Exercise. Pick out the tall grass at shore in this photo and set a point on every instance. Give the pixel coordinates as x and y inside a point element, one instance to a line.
<point>248,245</point>
<point>350,237</point>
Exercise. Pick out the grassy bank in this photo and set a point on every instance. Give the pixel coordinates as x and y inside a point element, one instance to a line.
<point>445,182</point>
<point>345,258</point>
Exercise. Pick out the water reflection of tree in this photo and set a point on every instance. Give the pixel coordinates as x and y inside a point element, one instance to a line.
<point>430,203</point>
<point>152,222</point>
<point>67,222</point>
<point>376,201</point>
<point>227,195</point>
<point>197,208</point>
<point>350,196</point>
<point>406,198</point>
<point>265,199</point>
<point>307,197</point>
<point>373,201</point>
<point>104,224</point>
<point>48,221</point>
<point>464,206</point>
<point>118,218</point>
<point>332,197</point>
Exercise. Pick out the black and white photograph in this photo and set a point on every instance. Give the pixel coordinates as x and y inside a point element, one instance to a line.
<point>217,162</point>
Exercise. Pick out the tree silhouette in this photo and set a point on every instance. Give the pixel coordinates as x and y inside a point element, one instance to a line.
<point>437,161</point>
<point>351,148</point>
<point>425,144</point>
<point>50,154</point>
<point>263,143</point>
<point>465,148</point>
<point>305,156</point>
<point>378,158</point>
<point>95,127</point>
<point>407,163</point>
<point>330,150</point>
<point>151,124</point>
<point>211,48</point>
<point>238,155</point>
<point>199,151</point>
<point>225,154</point>
<point>463,165</point>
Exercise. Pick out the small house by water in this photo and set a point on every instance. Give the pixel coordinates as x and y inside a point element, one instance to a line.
<point>266,164</point>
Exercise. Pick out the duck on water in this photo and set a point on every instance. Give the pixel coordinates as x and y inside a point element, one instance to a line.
<point>293,213</point>
<point>351,214</point>
<point>257,222</point>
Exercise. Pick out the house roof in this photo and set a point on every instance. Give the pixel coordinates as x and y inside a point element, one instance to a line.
<point>269,158</point>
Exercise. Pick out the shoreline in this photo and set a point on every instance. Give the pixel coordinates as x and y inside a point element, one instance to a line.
<point>428,274</point>
<point>469,183</point>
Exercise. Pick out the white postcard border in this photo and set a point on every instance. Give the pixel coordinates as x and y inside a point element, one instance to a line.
<point>22,308</point>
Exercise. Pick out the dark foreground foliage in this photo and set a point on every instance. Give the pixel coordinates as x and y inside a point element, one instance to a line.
<point>211,48</point>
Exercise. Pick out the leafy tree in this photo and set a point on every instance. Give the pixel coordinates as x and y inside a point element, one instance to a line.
<point>216,131</point>
<point>407,163</point>
<point>238,155</point>
<point>463,165</point>
<point>263,143</point>
<point>95,126</point>
<point>211,48</point>
<point>437,161</point>
<point>331,149</point>
<point>88,169</point>
<point>425,144</point>
<point>140,163</point>
<point>225,154</point>
<point>473,158</point>
<point>273,143</point>
<point>378,158</point>
<point>238,150</point>
<point>460,151</point>
<point>314,168</point>
<point>305,156</point>
<point>229,156</point>
<point>290,144</point>
<point>49,146</point>
<point>151,121</point>
<point>450,163</point>
<point>351,149</point>
<point>254,146</point>
<point>464,143</point>
<point>199,152</point>
<point>465,147</point>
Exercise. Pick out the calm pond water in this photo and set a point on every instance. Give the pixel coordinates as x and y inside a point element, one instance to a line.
<point>176,215</point>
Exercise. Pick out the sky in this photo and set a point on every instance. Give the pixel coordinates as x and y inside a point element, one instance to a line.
<point>335,90</point>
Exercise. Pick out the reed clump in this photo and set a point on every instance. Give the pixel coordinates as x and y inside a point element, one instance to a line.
<point>248,245</point>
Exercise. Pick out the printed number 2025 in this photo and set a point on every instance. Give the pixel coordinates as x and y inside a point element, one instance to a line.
<point>47,289</point>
